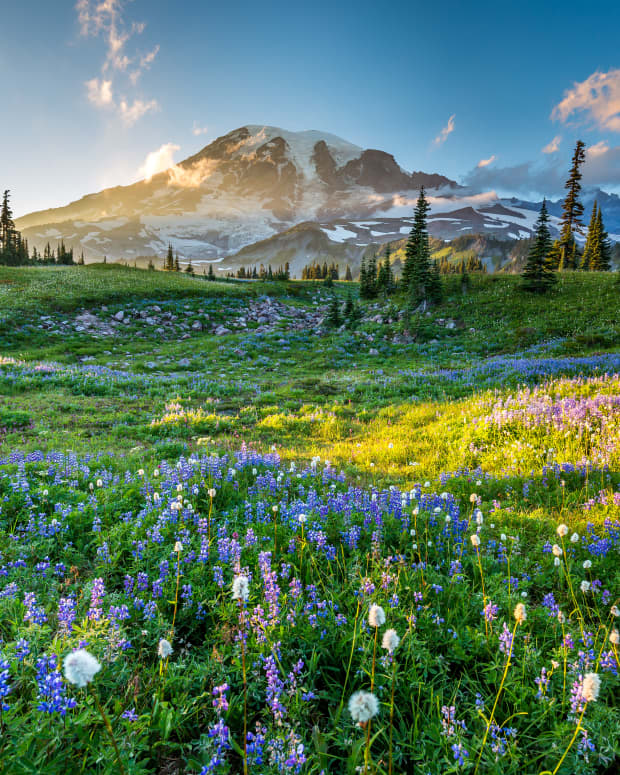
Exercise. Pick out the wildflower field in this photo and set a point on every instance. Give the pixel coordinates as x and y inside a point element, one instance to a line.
<point>325,551</point>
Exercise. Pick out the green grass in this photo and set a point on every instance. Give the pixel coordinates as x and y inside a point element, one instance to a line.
<point>415,414</point>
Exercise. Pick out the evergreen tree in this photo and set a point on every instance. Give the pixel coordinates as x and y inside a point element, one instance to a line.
<point>592,246</point>
<point>189,268</point>
<point>177,265</point>
<point>169,262</point>
<point>211,275</point>
<point>417,279</point>
<point>603,258</point>
<point>348,278</point>
<point>572,210</point>
<point>81,259</point>
<point>538,276</point>
<point>151,265</point>
<point>385,278</point>
<point>333,313</point>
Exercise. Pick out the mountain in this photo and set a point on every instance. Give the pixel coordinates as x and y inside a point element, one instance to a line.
<point>247,185</point>
<point>261,193</point>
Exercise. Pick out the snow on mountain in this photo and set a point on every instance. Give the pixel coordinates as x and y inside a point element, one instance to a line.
<point>257,182</point>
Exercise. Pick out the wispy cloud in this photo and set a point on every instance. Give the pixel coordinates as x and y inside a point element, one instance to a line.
<point>199,130</point>
<point>599,149</point>
<point>553,146</point>
<point>535,178</point>
<point>158,161</point>
<point>445,132</point>
<point>597,100</point>
<point>486,162</point>
<point>106,19</point>
<point>99,92</point>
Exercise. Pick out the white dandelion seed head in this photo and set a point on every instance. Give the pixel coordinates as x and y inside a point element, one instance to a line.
<point>363,706</point>
<point>556,562</point>
<point>590,687</point>
<point>140,471</point>
<point>473,498</point>
<point>178,547</point>
<point>587,564</point>
<point>390,641</point>
<point>241,588</point>
<point>80,667</point>
<point>574,538</point>
<point>479,518</point>
<point>614,610</point>
<point>475,540</point>
<point>561,617</point>
<point>155,496</point>
<point>562,530</point>
<point>211,492</point>
<point>376,616</point>
<point>156,472</point>
<point>503,537</point>
<point>164,648</point>
<point>614,637</point>
<point>557,550</point>
<point>99,482</point>
<point>520,613</point>
<point>302,519</point>
<point>584,586</point>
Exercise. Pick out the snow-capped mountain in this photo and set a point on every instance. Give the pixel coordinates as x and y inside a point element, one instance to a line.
<point>245,186</point>
<point>249,190</point>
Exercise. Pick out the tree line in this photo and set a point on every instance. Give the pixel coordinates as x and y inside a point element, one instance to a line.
<point>14,248</point>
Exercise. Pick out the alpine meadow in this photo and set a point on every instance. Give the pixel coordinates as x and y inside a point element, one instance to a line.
<point>309,457</point>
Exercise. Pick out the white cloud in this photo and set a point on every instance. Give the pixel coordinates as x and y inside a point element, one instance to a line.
<point>597,150</point>
<point>447,130</point>
<point>486,162</point>
<point>99,92</point>
<point>105,19</point>
<point>158,161</point>
<point>130,113</point>
<point>199,130</point>
<point>553,146</point>
<point>597,99</point>
<point>194,176</point>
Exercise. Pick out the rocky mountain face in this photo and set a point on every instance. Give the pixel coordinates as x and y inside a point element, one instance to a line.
<point>262,194</point>
<point>245,186</point>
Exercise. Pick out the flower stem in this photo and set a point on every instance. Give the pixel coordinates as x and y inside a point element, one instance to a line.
<point>110,732</point>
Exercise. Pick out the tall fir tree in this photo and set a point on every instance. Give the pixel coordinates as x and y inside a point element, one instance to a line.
<point>572,210</point>
<point>177,265</point>
<point>603,259</point>
<point>348,278</point>
<point>592,246</point>
<point>211,275</point>
<point>538,275</point>
<point>385,278</point>
<point>169,262</point>
<point>417,280</point>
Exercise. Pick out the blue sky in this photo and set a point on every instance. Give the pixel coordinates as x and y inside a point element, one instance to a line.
<point>92,88</point>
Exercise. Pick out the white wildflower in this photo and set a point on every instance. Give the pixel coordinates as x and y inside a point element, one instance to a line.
<point>363,706</point>
<point>562,530</point>
<point>584,586</point>
<point>587,564</point>
<point>240,588</point>
<point>390,640</point>
<point>475,540</point>
<point>557,550</point>
<point>590,687</point>
<point>376,616</point>
<point>80,667</point>
<point>614,637</point>
<point>164,648</point>
<point>178,547</point>
<point>211,493</point>
<point>574,538</point>
<point>520,613</point>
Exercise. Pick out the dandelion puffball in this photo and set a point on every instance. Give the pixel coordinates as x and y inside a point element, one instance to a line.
<point>520,613</point>
<point>240,588</point>
<point>587,564</point>
<point>614,610</point>
<point>584,586</point>
<point>475,540</point>
<point>562,530</point>
<point>178,547</point>
<point>80,667</point>
<point>363,706</point>
<point>164,648</point>
<point>391,640</point>
<point>557,550</point>
<point>211,493</point>
<point>376,616</point>
<point>574,538</point>
<point>614,637</point>
<point>590,687</point>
